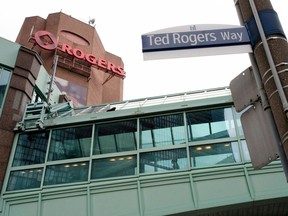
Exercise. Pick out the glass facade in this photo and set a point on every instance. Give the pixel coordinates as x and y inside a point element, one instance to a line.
<point>160,161</point>
<point>66,173</point>
<point>31,149</point>
<point>36,98</point>
<point>70,143</point>
<point>210,124</point>
<point>114,167</point>
<point>115,137</point>
<point>25,179</point>
<point>209,155</point>
<point>162,131</point>
<point>170,142</point>
<point>5,75</point>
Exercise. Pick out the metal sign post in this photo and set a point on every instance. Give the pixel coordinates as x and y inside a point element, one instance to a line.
<point>270,52</point>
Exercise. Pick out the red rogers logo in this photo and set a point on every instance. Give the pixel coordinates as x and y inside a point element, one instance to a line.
<point>51,43</point>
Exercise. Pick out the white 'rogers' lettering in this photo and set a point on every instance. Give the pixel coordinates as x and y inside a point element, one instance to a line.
<point>193,39</point>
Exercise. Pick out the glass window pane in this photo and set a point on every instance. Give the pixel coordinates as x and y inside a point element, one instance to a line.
<point>66,173</point>
<point>208,155</point>
<point>25,179</point>
<point>115,137</point>
<point>70,143</point>
<point>4,79</point>
<point>160,161</point>
<point>31,148</point>
<point>162,131</point>
<point>36,98</point>
<point>114,167</point>
<point>210,124</point>
<point>245,150</point>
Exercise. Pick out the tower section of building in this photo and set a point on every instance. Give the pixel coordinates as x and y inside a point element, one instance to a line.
<point>85,73</point>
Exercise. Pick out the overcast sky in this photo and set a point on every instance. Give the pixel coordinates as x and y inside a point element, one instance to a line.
<point>120,25</point>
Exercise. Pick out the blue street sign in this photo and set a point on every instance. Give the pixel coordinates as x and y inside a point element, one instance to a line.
<point>160,41</point>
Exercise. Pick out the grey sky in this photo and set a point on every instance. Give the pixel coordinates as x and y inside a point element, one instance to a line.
<point>120,25</point>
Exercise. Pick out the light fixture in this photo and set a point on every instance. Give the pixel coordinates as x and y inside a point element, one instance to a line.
<point>199,148</point>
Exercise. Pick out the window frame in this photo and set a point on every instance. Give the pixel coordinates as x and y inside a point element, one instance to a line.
<point>137,152</point>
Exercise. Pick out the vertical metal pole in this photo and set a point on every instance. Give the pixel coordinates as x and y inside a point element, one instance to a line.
<point>54,67</point>
<point>260,85</point>
<point>256,73</point>
<point>277,83</point>
<point>269,57</point>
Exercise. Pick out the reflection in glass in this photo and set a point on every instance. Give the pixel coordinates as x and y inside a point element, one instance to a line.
<point>162,131</point>
<point>24,179</point>
<point>210,124</point>
<point>159,161</point>
<point>114,167</point>
<point>31,148</point>
<point>70,143</point>
<point>77,94</point>
<point>115,137</point>
<point>207,155</point>
<point>66,173</point>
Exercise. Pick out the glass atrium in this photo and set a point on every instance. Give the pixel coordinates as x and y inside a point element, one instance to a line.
<point>128,147</point>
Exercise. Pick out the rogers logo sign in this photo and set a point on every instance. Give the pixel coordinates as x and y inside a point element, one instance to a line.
<point>50,43</point>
